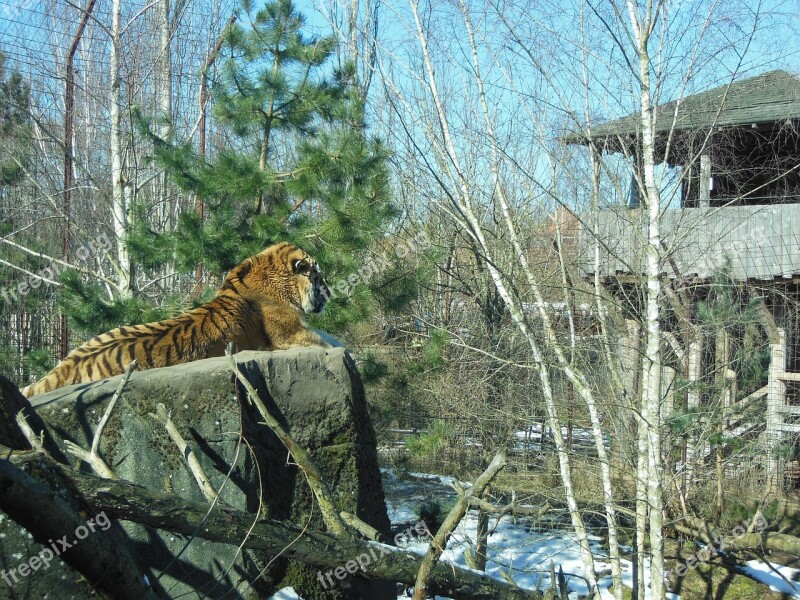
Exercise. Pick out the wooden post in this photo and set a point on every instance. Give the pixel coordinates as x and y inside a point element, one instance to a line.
<point>631,359</point>
<point>630,350</point>
<point>705,180</point>
<point>694,359</point>
<point>693,365</point>
<point>667,391</point>
<point>776,395</point>
<point>69,105</point>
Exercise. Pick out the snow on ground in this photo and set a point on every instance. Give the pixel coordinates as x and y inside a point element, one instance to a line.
<point>758,570</point>
<point>285,594</point>
<point>527,554</point>
<point>523,552</point>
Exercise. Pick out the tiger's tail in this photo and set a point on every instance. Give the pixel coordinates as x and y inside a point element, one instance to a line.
<point>52,381</point>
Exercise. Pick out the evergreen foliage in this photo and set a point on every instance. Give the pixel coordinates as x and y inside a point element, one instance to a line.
<point>89,310</point>
<point>434,440</point>
<point>726,310</point>
<point>298,165</point>
<point>14,125</point>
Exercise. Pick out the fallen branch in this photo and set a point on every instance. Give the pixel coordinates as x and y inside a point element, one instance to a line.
<point>124,500</point>
<point>102,557</point>
<point>97,463</point>
<point>365,529</point>
<point>92,457</point>
<point>34,440</point>
<point>753,542</point>
<point>439,541</point>
<point>512,508</point>
<point>199,474</point>
<point>12,404</point>
<point>333,521</point>
<point>98,433</point>
<point>772,568</point>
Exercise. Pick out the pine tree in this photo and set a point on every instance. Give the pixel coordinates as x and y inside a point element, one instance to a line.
<point>298,165</point>
<point>14,125</point>
<point>727,319</point>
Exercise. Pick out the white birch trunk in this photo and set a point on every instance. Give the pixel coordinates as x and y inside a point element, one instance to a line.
<point>119,200</point>
<point>649,482</point>
<point>617,386</point>
<point>465,208</point>
<point>573,374</point>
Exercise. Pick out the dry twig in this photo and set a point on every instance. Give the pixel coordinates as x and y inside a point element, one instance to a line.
<point>92,457</point>
<point>199,474</point>
<point>30,435</point>
<point>439,541</point>
<point>327,506</point>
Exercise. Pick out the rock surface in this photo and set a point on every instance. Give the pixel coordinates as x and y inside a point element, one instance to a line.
<point>316,393</point>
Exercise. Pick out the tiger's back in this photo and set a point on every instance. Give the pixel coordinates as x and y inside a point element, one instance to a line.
<point>260,306</point>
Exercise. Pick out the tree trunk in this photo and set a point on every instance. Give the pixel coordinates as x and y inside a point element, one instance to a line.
<point>102,557</point>
<point>165,108</point>
<point>439,542</point>
<point>738,539</point>
<point>651,472</point>
<point>119,201</point>
<point>482,535</point>
<point>124,500</point>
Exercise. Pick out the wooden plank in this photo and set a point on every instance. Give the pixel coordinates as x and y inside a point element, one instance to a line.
<point>776,397</point>
<point>757,394</point>
<point>788,428</point>
<point>762,241</point>
<point>705,180</point>
<point>693,368</point>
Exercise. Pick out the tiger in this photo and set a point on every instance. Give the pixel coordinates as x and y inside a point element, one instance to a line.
<point>261,305</point>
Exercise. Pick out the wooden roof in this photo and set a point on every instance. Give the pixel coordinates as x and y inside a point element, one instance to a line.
<point>762,242</point>
<point>768,98</point>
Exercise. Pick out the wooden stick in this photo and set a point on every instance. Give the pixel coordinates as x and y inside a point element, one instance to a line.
<point>33,439</point>
<point>772,568</point>
<point>92,457</point>
<point>333,521</point>
<point>98,433</point>
<point>209,493</point>
<point>98,465</point>
<point>365,529</point>
<point>439,541</point>
<point>512,507</point>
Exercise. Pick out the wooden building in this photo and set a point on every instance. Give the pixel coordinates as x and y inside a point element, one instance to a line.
<point>737,150</point>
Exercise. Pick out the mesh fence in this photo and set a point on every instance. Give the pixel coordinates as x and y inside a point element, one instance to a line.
<point>35,42</point>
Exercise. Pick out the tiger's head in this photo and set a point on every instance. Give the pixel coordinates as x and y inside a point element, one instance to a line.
<point>282,273</point>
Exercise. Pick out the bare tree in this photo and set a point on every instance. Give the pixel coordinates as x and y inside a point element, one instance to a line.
<point>478,106</point>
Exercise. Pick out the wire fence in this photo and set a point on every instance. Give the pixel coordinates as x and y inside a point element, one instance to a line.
<point>35,42</point>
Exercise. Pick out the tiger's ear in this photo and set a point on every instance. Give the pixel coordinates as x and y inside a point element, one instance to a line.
<point>302,267</point>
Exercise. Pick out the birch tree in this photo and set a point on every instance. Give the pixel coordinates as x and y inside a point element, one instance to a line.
<point>120,189</point>
<point>122,66</point>
<point>649,475</point>
<point>465,95</point>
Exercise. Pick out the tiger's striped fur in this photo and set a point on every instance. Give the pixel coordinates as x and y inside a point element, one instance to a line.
<point>260,306</point>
